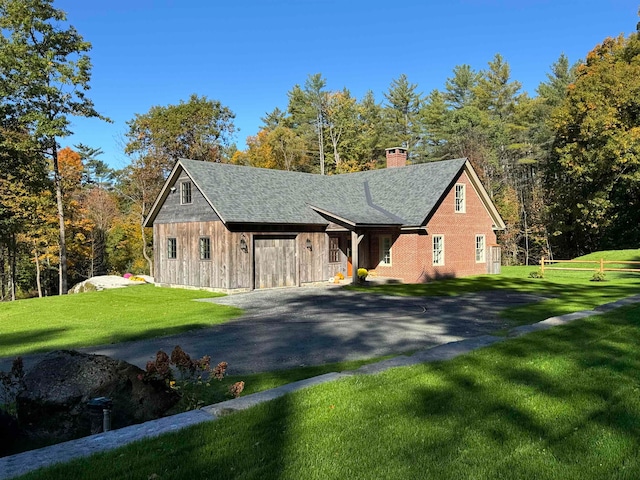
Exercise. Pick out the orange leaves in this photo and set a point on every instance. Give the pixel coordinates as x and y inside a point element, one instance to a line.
<point>71,168</point>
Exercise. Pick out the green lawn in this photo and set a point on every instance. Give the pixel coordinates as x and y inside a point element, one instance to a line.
<point>560,291</point>
<point>110,316</point>
<point>564,403</point>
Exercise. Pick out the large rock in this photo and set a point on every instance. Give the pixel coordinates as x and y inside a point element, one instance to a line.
<point>53,404</point>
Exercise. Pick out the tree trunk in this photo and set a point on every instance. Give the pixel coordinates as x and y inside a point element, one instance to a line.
<point>62,242</point>
<point>3,291</point>
<point>320,142</point>
<point>12,267</point>
<point>35,257</point>
<point>144,246</point>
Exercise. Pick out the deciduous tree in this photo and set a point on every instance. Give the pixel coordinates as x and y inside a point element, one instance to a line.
<point>45,72</point>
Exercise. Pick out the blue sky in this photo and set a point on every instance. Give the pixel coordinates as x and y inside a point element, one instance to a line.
<point>248,54</point>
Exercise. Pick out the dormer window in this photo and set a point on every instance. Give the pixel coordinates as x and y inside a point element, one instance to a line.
<point>185,193</point>
<point>460,200</point>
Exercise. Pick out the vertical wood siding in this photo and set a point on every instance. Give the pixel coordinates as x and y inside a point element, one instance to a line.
<point>228,268</point>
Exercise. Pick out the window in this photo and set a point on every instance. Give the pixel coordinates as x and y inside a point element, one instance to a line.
<point>334,250</point>
<point>438,250</point>
<point>172,250</point>
<point>460,201</point>
<point>205,248</point>
<point>480,250</point>
<point>385,250</point>
<point>185,193</point>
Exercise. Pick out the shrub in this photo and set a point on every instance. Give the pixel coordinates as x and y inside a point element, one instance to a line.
<point>362,273</point>
<point>197,372</point>
<point>536,274</point>
<point>339,276</point>
<point>598,276</point>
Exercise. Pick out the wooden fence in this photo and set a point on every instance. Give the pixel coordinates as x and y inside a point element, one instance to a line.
<point>599,265</point>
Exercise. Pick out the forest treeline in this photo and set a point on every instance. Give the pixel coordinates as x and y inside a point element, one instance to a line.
<point>562,164</point>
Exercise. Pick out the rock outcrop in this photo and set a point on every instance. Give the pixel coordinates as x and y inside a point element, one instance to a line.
<point>53,404</point>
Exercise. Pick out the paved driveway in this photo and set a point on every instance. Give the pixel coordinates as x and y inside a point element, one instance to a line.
<point>286,328</point>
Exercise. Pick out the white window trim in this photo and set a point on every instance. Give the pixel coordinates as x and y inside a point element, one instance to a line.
<point>433,250</point>
<point>381,250</point>
<point>182,186</point>
<point>484,249</point>
<point>463,189</point>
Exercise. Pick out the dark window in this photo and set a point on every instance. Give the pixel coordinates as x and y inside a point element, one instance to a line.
<point>172,250</point>
<point>205,248</point>
<point>334,250</point>
<point>185,193</point>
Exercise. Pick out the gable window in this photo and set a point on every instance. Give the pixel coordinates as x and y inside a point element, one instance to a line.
<point>185,193</point>
<point>334,250</point>
<point>438,250</point>
<point>385,250</point>
<point>205,248</point>
<point>460,198</point>
<point>480,249</point>
<point>172,250</point>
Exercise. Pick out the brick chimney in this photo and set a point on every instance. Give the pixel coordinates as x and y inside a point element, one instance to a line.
<point>396,157</point>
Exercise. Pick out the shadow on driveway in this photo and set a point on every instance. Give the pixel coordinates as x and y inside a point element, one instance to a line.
<point>286,328</point>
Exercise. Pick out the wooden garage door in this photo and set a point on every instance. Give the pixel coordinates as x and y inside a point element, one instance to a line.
<point>275,262</point>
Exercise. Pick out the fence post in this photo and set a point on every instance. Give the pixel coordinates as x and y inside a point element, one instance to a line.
<point>602,265</point>
<point>542,265</point>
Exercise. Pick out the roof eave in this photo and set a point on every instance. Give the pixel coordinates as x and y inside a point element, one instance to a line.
<point>162,196</point>
<point>498,223</point>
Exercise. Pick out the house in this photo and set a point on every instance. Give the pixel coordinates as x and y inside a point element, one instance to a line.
<point>235,228</point>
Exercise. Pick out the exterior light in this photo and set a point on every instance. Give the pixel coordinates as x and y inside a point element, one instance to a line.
<point>309,247</point>
<point>243,244</point>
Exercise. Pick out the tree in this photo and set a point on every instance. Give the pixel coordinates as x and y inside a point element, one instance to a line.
<point>45,73</point>
<point>460,89</point>
<point>341,119</point>
<point>140,184</point>
<point>198,129</point>
<point>402,114</point>
<point>317,99</point>
<point>593,174</point>
<point>96,171</point>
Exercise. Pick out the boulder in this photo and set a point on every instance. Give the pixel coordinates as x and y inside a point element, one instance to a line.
<point>104,282</point>
<point>53,405</point>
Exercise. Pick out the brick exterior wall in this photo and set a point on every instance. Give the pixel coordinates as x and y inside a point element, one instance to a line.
<point>412,253</point>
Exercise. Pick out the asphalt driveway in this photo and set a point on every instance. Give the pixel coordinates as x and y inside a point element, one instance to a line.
<point>285,328</point>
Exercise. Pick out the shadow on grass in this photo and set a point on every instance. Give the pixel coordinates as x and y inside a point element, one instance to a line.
<point>18,339</point>
<point>558,403</point>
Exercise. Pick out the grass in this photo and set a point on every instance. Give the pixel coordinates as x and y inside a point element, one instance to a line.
<point>563,403</point>
<point>110,316</point>
<point>258,382</point>
<point>561,292</point>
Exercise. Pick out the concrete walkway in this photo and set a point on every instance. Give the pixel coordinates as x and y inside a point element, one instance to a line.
<point>25,462</point>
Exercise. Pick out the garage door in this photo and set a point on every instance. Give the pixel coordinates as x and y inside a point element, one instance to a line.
<point>275,262</point>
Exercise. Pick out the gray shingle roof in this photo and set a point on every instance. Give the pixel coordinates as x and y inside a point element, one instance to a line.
<point>398,196</point>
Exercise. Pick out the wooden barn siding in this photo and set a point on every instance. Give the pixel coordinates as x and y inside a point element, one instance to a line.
<point>229,267</point>
<point>198,210</point>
